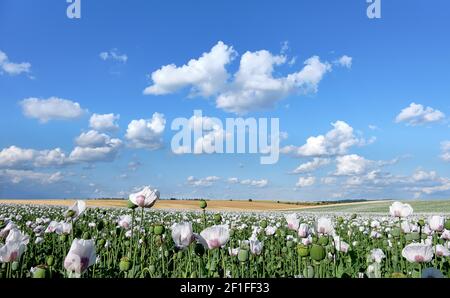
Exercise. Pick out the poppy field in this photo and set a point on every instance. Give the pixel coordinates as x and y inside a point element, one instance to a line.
<point>139,242</point>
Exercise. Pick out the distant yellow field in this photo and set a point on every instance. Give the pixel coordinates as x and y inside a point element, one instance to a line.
<point>186,204</point>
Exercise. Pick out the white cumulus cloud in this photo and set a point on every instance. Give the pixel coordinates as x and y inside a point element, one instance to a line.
<point>104,122</point>
<point>146,133</point>
<point>417,114</point>
<point>12,68</point>
<point>311,165</point>
<point>113,55</point>
<point>305,181</point>
<point>53,108</point>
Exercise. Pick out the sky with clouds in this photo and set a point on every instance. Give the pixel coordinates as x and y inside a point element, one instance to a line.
<point>87,104</point>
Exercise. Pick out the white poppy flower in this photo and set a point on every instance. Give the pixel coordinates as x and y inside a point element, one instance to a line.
<point>145,198</point>
<point>418,253</point>
<point>398,209</point>
<point>182,234</point>
<point>215,236</point>
<point>81,255</point>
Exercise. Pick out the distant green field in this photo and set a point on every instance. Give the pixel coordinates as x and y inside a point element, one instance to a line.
<point>381,207</point>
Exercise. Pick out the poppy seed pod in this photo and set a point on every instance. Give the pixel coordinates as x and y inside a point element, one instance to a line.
<point>243,255</point>
<point>101,242</point>
<point>124,264</point>
<point>63,237</point>
<point>323,240</point>
<point>340,220</point>
<point>317,252</point>
<point>397,275</point>
<point>203,204</point>
<point>421,222</point>
<point>217,218</point>
<point>131,205</point>
<point>70,213</point>
<point>40,272</point>
<point>302,250</point>
<point>50,260</point>
<point>158,229</point>
<point>263,224</point>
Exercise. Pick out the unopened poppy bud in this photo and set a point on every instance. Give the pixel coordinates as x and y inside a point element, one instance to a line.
<point>166,253</point>
<point>124,264</point>
<point>243,255</point>
<point>39,272</point>
<point>353,216</point>
<point>150,229</point>
<point>194,274</point>
<point>203,204</point>
<point>50,260</point>
<point>63,237</point>
<point>152,269</point>
<point>340,220</point>
<point>158,229</point>
<point>317,252</point>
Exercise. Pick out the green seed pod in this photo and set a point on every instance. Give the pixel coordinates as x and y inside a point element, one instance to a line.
<point>15,266</point>
<point>421,222</point>
<point>152,269</point>
<point>40,272</point>
<point>447,224</point>
<point>70,213</point>
<point>124,264</point>
<point>199,249</point>
<point>263,224</point>
<point>302,250</point>
<point>289,244</point>
<point>86,236</point>
<point>314,239</point>
<point>340,220</point>
<point>317,252</point>
<point>63,237</point>
<point>50,260</point>
<point>243,255</point>
<point>150,230</point>
<point>353,216</point>
<point>203,204</point>
<point>180,254</point>
<point>217,218</point>
<point>131,205</point>
<point>323,240</point>
<point>158,229</point>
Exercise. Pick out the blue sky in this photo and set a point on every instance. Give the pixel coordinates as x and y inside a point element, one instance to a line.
<point>383,83</point>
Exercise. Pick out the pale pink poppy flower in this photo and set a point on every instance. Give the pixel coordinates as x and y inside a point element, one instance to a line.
<point>81,255</point>
<point>292,221</point>
<point>145,198</point>
<point>436,223</point>
<point>182,234</point>
<point>418,253</point>
<point>398,209</point>
<point>215,236</point>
